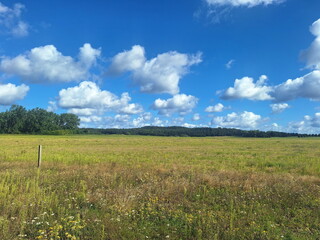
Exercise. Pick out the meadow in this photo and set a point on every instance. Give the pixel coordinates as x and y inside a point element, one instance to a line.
<point>142,187</point>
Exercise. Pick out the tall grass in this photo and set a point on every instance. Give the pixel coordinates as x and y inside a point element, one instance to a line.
<point>133,187</point>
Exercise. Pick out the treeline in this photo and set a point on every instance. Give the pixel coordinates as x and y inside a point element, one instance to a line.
<point>37,121</point>
<point>191,132</point>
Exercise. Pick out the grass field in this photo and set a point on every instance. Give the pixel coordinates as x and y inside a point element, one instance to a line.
<point>134,187</point>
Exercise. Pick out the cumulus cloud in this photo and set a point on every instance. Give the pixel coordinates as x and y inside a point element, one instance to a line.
<point>246,3</point>
<point>10,93</point>
<point>157,75</point>
<point>247,88</point>
<point>216,108</point>
<point>279,107</point>
<point>87,99</point>
<point>131,108</point>
<point>88,55</point>
<point>90,119</point>
<point>143,120</point>
<point>46,64</point>
<point>309,124</point>
<point>307,86</point>
<point>245,120</point>
<point>180,103</point>
<point>177,121</point>
<point>52,106</point>
<point>189,125</point>
<point>128,60</point>
<point>86,111</point>
<point>10,20</point>
<point>157,122</point>
<point>312,54</point>
<point>117,121</point>
<point>313,121</point>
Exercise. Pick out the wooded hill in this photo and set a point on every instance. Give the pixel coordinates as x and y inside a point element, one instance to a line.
<point>190,132</point>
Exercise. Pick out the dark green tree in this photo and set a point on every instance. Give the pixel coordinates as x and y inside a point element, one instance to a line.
<point>15,118</point>
<point>69,121</point>
<point>36,121</point>
<point>39,120</point>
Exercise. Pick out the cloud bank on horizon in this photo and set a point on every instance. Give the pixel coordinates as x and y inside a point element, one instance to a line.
<point>131,88</point>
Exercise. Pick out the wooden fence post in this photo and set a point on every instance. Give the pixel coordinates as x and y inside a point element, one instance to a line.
<point>39,155</point>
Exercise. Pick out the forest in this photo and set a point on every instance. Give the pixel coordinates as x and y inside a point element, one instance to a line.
<point>18,120</point>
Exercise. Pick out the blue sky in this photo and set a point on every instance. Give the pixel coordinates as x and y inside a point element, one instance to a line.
<point>248,64</point>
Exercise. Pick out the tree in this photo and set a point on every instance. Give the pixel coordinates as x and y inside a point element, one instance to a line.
<point>19,120</point>
<point>15,118</point>
<point>39,120</point>
<point>69,121</point>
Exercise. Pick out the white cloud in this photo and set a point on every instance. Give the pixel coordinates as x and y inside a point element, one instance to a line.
<point>180,103</point>
<point>85,111</point>
<point>131,108</point>
<point>307,86</point>
<point>52,106</point>
<point>246,3</point>
<point>230,63</point>
<point>143,120</point>
<point>196,117</point>
<point>87,99</point>
<point>21,29</point>
<point>177,121</point>
<point>247,88</point>
<point>10,20</point>
<point>312,54</point>
<point>157,75</point>
<point>157,122</point>
<point>117,121</point>
<point>128,60</point>
<point>47,64</point>
<point>189,125</point>
<point>10,93</point>
<point>279,107</point>
<point>245,120</point>
<point>297,126</point>
<point>91,119</point>
<point>314,121</point>
<point>88,55</point>
<point>216,108</point>
<point>309,124</point>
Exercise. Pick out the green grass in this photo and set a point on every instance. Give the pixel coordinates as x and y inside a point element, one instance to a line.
<point>135,187</point>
